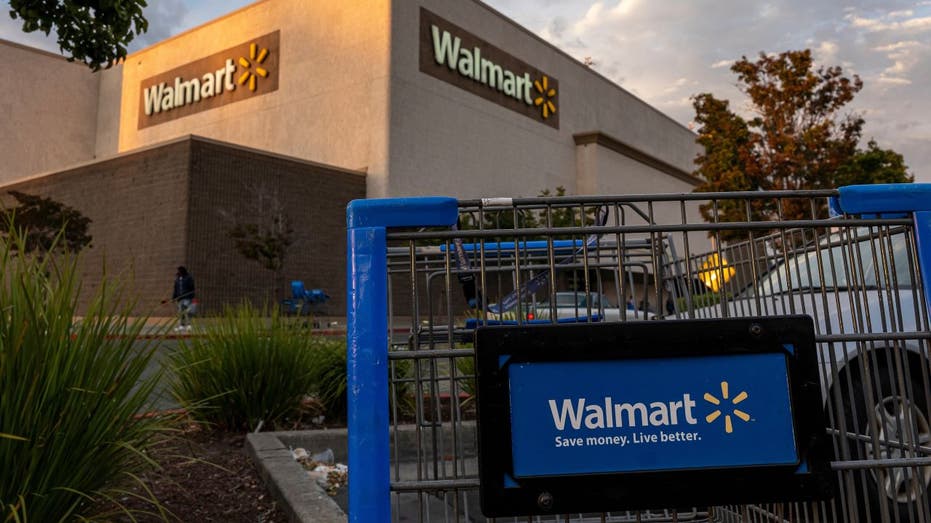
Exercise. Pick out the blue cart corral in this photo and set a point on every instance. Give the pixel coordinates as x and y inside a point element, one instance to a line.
<point>611,358</point>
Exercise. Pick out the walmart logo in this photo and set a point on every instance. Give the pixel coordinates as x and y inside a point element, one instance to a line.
<point>607,413</point>
<point>547,96</point>
<point>164,96</point>
<point>715,414</point>
<point>252,67</point>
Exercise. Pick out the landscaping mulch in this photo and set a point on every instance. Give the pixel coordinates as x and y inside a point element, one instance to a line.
<point>204,475</point>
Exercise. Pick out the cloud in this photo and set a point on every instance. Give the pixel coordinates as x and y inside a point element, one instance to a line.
<point>166,18</point>
<point>887,22</point>
<point>664,52</point>
<point>897,46</point>
<point>892,80</point>
<point>905,13</point>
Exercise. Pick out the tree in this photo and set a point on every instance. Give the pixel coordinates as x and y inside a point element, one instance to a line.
<point>796,138</point>
<point>874,165</point>
<point>46,224</point>
<point>95,32</point>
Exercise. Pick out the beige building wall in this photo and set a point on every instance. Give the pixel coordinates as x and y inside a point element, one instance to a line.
<point>351,94</point>
<point>604,170</point>
<point>331,103</point>
<point>446,140</point>
<point>109,104</point>
<point>48,112</point>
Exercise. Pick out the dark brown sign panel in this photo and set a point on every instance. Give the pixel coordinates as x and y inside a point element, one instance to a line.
<point>454,55</point>
<point>247,70</point>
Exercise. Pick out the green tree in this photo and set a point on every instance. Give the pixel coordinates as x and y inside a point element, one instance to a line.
<point>44,225</point>
<point>797,137</point>
<point>95,32</point>
<point>874,165</point>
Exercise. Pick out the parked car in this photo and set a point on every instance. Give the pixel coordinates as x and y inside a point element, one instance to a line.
<point>875,389</point>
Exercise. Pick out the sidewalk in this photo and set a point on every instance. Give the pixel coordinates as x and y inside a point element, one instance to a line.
<point>163,327</point>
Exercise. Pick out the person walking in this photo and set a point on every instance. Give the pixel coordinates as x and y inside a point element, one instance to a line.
<point>183,295</point>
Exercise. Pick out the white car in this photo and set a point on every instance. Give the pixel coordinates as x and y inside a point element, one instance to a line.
<point>874,368</point>
<point>581,305</point>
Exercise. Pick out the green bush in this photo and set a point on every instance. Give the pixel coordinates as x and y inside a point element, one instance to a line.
<point>252,366</point>
<point>69,391</point>
<point>700,301</point>
<point>328,374</point>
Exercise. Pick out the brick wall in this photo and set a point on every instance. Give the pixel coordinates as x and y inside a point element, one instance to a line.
<point>174,205</point>
<point>138,206</point>
<point>230,185</point>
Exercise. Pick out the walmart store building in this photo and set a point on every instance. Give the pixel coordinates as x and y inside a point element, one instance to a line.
<point>308,104</point>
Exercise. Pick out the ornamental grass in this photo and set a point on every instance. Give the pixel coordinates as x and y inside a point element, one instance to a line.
<point>70,391</point>
<point>250,369</point>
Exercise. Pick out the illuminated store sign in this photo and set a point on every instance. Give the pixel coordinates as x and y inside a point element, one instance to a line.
<point>454,55</point>
<point>247,70</point>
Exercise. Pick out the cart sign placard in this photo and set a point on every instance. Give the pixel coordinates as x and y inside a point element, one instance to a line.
<point>650,414</point>
<point>627,416</point>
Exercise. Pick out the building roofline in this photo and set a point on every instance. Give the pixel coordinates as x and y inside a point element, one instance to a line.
<point>37,50</point>
<point>614,84</point>
<point>613,144</point>
<point>278,156</point>
<point>185,138</point>
<point>481,4</point>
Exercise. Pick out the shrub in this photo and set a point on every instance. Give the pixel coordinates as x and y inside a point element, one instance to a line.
<point>69,392</point>
<point>252,366</point>
<point>330,380</point>
<point>700,301</point>
<point>329,376</point>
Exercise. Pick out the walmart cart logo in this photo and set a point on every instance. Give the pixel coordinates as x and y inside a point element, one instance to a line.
<point>546,96</point>
<point>721,403</point>
<point>252,67</point>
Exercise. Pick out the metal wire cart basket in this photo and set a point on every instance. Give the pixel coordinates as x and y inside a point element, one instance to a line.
<point>425,273</point>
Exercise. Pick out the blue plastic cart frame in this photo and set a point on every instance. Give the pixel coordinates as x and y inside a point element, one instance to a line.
<point>367,315</point>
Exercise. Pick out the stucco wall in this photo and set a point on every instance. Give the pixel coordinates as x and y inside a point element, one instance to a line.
<point>48,112</point>
<point>108,112</point>
<point>330,105</point>
<point>445,140</point>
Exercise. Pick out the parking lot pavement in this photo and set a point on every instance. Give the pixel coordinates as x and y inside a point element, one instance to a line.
<point>161,398</point>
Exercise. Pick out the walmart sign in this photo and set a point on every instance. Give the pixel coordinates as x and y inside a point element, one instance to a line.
<point>650,415</point>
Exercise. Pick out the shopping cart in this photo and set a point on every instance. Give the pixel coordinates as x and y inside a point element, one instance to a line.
<point>430,270</point>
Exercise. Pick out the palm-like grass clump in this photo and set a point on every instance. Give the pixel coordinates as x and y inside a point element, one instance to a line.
<point>251,366</point>
<point>70,391</point>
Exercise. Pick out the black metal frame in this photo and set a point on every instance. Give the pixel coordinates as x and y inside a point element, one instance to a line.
<point>644,490</point>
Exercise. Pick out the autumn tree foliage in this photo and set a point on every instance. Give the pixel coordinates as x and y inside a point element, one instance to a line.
<point>797,136</point>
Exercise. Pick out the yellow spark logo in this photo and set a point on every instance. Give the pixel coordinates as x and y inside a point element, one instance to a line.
<point>728,426</point>
<point>256,57</point>
<point>546,96</point>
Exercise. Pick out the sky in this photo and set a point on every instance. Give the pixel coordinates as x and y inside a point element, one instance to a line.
<point>665,51</point>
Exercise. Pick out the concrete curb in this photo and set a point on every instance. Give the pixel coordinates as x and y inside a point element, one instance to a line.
<point>301,499</point>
